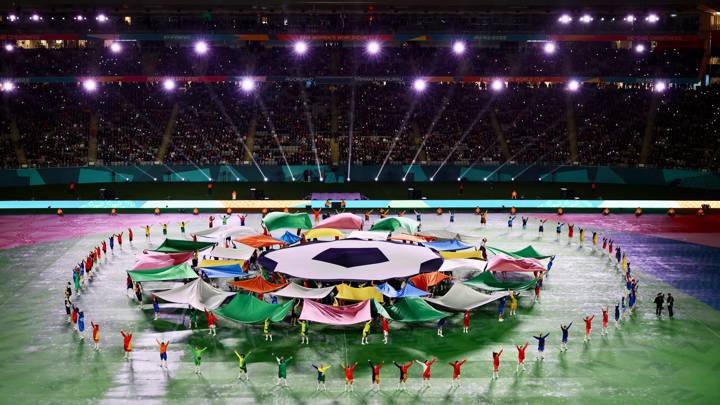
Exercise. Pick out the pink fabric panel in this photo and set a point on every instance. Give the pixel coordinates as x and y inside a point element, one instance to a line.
<point>328,314</point>
<point>504,263</point>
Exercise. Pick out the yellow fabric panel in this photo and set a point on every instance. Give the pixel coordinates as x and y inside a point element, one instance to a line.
<point>345,292</point>
<point>462,254</point>
<point>322,233</point>
<point>215,263</point>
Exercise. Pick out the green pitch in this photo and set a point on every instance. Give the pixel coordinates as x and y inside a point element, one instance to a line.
<point>646,361</point>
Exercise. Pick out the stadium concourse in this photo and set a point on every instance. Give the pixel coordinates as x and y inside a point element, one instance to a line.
<point>648,359</point>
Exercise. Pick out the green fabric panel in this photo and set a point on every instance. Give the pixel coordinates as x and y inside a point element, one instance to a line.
<point>249,309</point>
<point>528,252</point>
<point>395,223</point>
<point>486,281</point>
<point>179,245</point>
<point>178,272</point>
<point>410,309</point>
<point>94,176</point>
<point>282,220</point>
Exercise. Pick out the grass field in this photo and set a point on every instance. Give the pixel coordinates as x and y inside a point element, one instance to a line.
<point>648,360</point>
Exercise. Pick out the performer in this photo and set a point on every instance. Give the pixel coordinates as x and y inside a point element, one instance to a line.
<point>375,378</point>
<point>426,364</point>
<point>127,343</point>
<point>96,335</point>
<point>182,227</point>
<point>594,239</point>
<point>670,301</point>
<point>68,306</point>
<point>466,322</point>
<point>365,333</point>
<point>605,317</point>
<point>659,300</point>
<point>571,231</point>
<point>541,227</point>
<point>130,235</point>
<point>197,357</point>
<point>112,242</point>
<point>524,222</point>
<point>588,326</point>
<point>81,324</point>
<point>321,371</point>
<point>385,330</point>
<point>456,372</point>
<point>163,352</point>
<point>541,345</point>
<point>147,232</point>
<point>242,365</point>
<point>164,229</point>
<point>483,218</point>
<point>511,218</point>
<point>441,322</point>
<point>304,339</point>
<point>349,375</point>
<point>212,323</point>
<point>581,236</point>
<point>156,307</point>
<point>402,384</point>
<point>617,316</point>
<point>513,302</point>
<point>266,330</point>
<point>565,333</point>
<point>558,230</point>
<point>501,309</point>
<point>521,357</point>
<point>496,363</point>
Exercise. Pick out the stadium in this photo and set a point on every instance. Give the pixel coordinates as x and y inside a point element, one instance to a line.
<point>360,202</point>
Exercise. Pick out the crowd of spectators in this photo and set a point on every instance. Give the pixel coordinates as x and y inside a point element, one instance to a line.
<point>408,59</point>
<point>299,120</point>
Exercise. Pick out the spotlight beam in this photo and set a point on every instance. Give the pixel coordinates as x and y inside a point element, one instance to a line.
<point>264,110</point>
<point>228,119</point>
<point>145,173</point>
<point>233,172</point>
<point>462,138</point>
<point>350,129</point>
<point>311,129</point>
<point>428,133</point>
<point>174,172</point>
<point>521,172</point>
<point>398,134</point>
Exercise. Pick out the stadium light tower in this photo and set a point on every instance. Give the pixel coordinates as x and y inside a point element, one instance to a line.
<point>419,85</point>
<point>9,47</point>
<point>101,18</point>
<point>90,85</point>
<point>459,47</point>
<point>12,18</point>
<point>115,47</point>
<point>565,19</point>
<point>247,84</point>
<point>373,47</point>
<point>169,84</point>
<point>497,85</point>
<point>659,87</point>
<point>573,85</point>
<point>550,48</point>
<point>201,47</point>
<point>35,18</point>
<point>630,18</point>
<point>639,48</point>
<point>586,19</point>
<point>300,47</point>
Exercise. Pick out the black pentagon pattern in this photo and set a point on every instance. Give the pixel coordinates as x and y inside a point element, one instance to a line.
<point>351,257</point>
